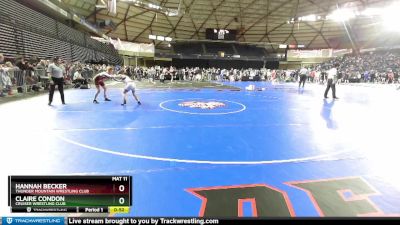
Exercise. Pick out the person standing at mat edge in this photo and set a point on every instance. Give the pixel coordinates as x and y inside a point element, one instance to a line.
<point>332,79</point>
<point>55,73</point>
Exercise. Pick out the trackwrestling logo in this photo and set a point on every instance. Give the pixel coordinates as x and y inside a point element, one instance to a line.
<point>202,105</point>
<point>33,220</point>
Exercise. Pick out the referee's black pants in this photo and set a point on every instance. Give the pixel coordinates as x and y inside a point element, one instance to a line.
<point>303,79</point>
<point>331,84</point>
<point>60,84</point>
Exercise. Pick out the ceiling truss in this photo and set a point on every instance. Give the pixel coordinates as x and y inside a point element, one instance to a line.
<point>256,21</point>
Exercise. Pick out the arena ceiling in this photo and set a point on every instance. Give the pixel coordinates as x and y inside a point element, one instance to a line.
<point>257,21</point>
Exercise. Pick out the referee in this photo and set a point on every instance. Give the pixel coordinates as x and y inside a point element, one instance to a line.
<point>55,74</point>
<point>303,76</point>
<point>332,80</point>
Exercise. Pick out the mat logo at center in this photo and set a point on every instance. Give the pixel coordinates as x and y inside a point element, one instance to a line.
<point>202,105</point>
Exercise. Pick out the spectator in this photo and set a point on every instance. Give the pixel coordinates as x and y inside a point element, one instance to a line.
<point>9,72</point>
<point>78,80</point>
<point>40,71</point>
<point>390,76</point>
<point>5,79</point>
<point>20,75</point>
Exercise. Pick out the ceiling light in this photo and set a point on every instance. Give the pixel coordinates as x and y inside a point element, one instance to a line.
<point>341,15</point>
<point>391,17</point>
<point>372,12</point>
<point>310,18</point>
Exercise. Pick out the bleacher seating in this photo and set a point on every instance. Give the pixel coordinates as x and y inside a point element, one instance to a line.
<point>24,15</point>
<point>39,45</point>
<point>214,48</point>
<point>30,33</point>
<point>70,34</point>
<point>7,40</point>
<point>248,50</point>
<point>188,48</point>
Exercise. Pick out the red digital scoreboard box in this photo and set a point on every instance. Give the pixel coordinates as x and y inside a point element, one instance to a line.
<point>69,194</point>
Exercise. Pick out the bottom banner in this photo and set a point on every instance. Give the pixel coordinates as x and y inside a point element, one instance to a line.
<point>184,220</point>
<point>139,221</point>
<point>212,221</point>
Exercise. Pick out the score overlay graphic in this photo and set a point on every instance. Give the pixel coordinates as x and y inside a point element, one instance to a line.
<point>86,194</point>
